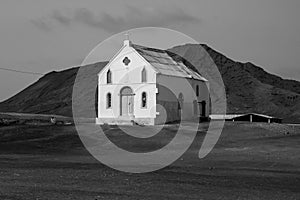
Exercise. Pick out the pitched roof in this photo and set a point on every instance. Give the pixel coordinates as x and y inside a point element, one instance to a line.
<point>233,116</point>
<point>166,64</point>
<point>260,115</point>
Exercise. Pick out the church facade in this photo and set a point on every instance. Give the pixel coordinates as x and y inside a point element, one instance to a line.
<point>147,86</point>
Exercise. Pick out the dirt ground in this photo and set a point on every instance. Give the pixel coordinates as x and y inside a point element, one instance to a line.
<point>250,161</point>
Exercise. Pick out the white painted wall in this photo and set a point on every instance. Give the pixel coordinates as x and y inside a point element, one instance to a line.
<point>139,112</point>
<point>122,74</point>
<point>130,75</point>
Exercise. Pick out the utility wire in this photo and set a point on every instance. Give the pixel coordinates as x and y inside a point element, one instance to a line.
<point>23,72</point>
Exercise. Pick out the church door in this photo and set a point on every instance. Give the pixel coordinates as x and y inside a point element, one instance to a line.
<point>202,108</point>
<point>127,102</point>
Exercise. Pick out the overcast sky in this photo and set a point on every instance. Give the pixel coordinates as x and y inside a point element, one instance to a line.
<point>43,36</point>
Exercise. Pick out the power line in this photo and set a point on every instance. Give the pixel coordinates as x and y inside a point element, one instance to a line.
<point>23,72</point>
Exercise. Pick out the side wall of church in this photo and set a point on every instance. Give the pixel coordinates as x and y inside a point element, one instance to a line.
<point>178,98</point>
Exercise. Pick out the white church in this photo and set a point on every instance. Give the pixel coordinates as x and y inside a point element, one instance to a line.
<point>147,86</point>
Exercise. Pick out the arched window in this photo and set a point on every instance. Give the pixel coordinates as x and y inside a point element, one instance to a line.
<point>197,90</point>
<point>144,75</point>
<point>144,99</point>
<point>108,100</point>
<point>126,61</point>
<point>108,76</point>
<point>180,101</point>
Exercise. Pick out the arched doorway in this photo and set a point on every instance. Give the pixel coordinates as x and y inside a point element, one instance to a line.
<point>203,108</point>
<point>126,101</point>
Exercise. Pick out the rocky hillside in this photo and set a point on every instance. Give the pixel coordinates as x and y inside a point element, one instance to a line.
<point>249,88</point>
<point>51,94</point>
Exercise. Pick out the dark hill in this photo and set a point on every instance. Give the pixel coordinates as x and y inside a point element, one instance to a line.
<point>51,94</point>
<point>249,88</point>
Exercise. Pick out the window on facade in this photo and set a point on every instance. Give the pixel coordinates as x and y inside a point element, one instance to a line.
<point>144,100</point>
<point>144,75</point>
<point>197,90</point>
<point>108,100</point>
<point>108,76</point>
<point>126,61</point>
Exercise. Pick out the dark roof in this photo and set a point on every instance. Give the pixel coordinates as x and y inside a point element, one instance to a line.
<point>166,64</point>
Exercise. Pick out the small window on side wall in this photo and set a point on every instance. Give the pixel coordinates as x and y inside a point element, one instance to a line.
<point>144,75</point>
<point>108,76</point>
<point>108,100</point>
<point>144,99</point>
<point>197,90</point>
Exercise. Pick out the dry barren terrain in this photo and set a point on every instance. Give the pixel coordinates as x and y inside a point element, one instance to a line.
<point>250,161</point>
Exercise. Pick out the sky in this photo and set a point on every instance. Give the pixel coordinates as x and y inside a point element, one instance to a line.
<point>43,36</point>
